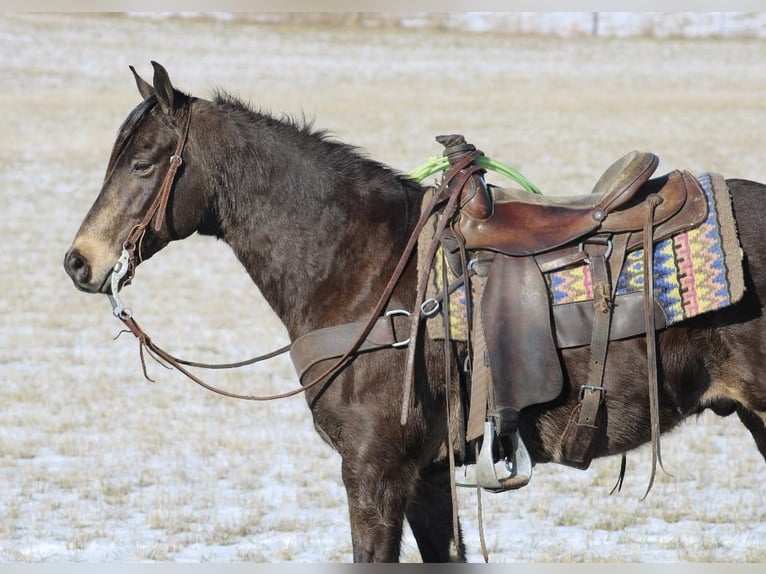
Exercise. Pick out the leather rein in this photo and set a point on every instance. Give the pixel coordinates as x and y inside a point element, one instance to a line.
<point>376,332</point>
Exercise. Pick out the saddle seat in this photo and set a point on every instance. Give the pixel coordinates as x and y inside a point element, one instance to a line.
<point>617,185</point>
<point>518,223</point>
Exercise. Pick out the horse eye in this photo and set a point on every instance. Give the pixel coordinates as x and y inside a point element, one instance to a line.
<point>141,167</point>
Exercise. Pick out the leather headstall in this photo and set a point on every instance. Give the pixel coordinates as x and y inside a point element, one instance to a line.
<point>158,208</point>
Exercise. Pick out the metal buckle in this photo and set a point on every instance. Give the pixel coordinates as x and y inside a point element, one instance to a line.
<point>584,388</point>
<point>394,313</point>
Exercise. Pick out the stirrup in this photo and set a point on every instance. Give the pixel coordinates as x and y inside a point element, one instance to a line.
<point>506,474</point>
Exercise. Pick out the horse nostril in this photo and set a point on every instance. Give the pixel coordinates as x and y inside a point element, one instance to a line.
<point>76,267</point>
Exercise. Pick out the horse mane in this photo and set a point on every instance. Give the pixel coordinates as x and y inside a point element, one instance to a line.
<point>302,129</point>
<point>233,104</point>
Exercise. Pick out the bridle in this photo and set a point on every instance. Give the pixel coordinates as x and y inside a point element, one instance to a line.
<point>375,332</point>
<point>125,268</point>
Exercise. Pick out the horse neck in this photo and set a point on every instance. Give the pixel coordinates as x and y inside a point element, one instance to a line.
<point>318,228</point>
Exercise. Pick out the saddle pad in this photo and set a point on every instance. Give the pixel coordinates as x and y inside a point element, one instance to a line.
<point>694,272</point>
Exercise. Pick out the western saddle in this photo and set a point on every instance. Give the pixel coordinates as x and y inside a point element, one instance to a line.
<point>502,242</point>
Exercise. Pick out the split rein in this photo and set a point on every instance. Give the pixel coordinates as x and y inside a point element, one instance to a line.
<point>125,267</point>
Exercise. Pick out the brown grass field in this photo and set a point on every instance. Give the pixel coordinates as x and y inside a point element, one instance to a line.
<point>97,464</point>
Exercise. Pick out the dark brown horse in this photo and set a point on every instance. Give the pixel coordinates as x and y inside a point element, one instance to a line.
<point>320,228</point>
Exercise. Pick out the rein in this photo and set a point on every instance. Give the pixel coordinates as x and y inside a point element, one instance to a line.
<point>125,268</point>
<point>355,337</point>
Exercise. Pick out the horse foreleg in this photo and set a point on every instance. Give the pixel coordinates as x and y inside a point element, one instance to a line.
<point>756,424</point>
<point>377,498</point>
<point>430,517</point>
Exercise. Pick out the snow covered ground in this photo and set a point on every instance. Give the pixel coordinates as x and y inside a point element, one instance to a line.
<point>562,24</point>
<point>98,465</point>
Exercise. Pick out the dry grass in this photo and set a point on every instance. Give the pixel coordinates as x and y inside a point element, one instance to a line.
<point>97,464</point>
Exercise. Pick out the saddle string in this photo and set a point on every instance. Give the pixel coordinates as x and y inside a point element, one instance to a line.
<point>448,401</point>
<point>652,202</point>
<point>466,280</point>
<point>480,518</point>
<point>621,477</point>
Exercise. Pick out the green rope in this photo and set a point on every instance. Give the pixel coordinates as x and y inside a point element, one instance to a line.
<point>440,163</point>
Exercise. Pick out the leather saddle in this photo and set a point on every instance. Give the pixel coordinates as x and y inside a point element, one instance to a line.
<point>512,239</point>
<point>518,223</point>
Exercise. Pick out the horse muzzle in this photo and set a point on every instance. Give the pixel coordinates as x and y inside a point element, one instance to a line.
<point>85,276</point>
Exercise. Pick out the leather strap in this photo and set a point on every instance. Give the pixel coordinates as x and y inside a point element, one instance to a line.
<point>651,337</point>
<point>574,321</point>
<point>480,373</point>
<point>331,342</point>
<point>163,357</point>
<point>158,208</point>
<point>447,356</point>
<point>582,429</point>
<point>593,392</point>
<point>454,181</point>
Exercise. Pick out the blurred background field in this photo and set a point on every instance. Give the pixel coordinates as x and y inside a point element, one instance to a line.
<point>98,465</point>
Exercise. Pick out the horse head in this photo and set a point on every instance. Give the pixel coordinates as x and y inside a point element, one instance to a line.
<point>138,173</point>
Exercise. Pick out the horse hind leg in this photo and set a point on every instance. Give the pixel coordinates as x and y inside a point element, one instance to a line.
<point>756,424</point>
<point>429,515</point>
<point>736,386</point>
<point>749,203</point>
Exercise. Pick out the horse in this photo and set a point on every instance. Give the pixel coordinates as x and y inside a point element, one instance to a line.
<point>320,227</point>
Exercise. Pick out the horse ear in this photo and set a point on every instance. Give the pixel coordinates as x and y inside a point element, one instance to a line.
<point>163,89</point>
<point>144,88</point>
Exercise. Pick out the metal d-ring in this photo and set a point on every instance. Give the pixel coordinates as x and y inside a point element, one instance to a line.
<point>119,309</point>
<point>609,246</point>
<point>430,307</point>
<point>403,313</point>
